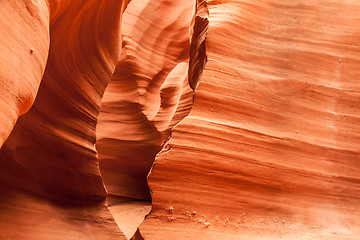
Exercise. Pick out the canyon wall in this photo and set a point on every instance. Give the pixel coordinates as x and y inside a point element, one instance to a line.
<point>51,187</point>
<point>270,148</point>
<point>228,119</point>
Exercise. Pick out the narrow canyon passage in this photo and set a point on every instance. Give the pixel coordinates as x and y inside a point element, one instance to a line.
<point>148,94</point>
<point>179,120</point>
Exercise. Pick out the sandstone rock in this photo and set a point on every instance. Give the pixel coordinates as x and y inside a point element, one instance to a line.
<point>51,184</point>
<point>268,151</point>
<point>272,130</point>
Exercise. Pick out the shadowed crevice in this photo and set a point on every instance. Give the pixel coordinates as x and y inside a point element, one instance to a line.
<point>198,56</point>
<point>197,62</point>
<point>148,94</point>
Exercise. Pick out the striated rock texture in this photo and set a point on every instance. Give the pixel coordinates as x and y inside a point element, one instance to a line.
<point>51,184</point>
<point>270,148</point>
<point>147,95</point>
<point>268,151</point>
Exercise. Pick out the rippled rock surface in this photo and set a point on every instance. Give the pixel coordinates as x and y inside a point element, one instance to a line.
<point>188,119</point>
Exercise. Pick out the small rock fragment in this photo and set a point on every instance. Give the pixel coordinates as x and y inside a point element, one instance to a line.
<point>171,219</point>
<point>193,213</point>
<point>171,209</point>
<point>31,50</point>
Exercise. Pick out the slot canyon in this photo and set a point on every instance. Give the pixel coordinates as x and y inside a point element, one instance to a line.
<point>176,120</point>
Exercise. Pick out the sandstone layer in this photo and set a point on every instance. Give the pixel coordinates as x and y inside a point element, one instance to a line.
<point>51,183</point>
<point>270,148</point>
<point>147,95</point>
<point>227,119</point>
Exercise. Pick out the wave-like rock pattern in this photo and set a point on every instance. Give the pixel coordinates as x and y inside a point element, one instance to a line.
<point>58,190</point>
<point>59,130</point>
<point>270,148</point>
<point>147,95</point>
<point>22,59</point>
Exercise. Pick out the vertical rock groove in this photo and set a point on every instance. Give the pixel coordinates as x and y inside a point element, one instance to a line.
<point>148,94</point>
<point>270,149</point>
<point>198,49</point>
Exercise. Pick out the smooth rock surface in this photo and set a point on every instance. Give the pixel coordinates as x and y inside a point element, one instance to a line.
<point>24,46</point>
<point>147,95</point>
<point>268,151</point>
<point>50,179</point>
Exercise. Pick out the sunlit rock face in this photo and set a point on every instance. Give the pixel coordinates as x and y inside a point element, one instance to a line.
<point>148,94</point>
<point>270,149</point>
<point>24,45</point>
<point>227,119</point>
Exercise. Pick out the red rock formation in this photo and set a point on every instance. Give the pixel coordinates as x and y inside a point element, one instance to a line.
<point>269,150</point>
<point>147,95</point>
<point>24,44</point>
<point>142,100</point>
<point>52,148</point>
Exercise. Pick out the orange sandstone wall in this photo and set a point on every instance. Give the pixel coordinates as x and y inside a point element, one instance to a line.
<point>51,186</point>
<point>147,95</point>
<point>24,45</point>
<point>268,151</point>
<point>270,148</point>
